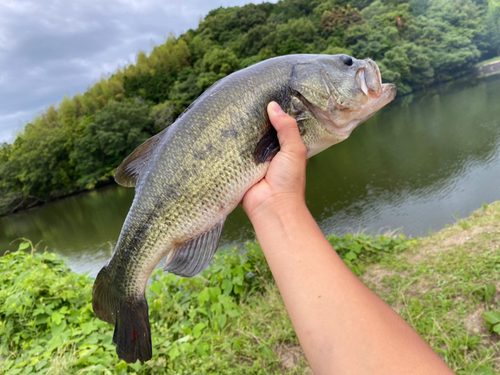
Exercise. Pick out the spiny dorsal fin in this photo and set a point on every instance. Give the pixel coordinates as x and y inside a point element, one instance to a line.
<point>129,170</point>
<point>191,257</point>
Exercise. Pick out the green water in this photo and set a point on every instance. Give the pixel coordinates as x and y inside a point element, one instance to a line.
<point>414,167</point>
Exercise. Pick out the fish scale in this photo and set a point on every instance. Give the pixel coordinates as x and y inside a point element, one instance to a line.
<point>189,177</point>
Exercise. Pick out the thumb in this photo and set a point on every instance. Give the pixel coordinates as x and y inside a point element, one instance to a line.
<point>288,131</point>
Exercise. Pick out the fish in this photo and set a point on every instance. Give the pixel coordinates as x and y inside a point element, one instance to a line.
<point>190,176</point>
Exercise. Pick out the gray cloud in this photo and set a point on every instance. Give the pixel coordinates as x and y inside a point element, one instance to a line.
<point>52,48</point>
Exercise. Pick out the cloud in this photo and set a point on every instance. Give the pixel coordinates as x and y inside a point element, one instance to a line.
<point>52,48</point>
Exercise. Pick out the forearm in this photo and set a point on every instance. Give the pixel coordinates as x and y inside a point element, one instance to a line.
<point>343,327</point>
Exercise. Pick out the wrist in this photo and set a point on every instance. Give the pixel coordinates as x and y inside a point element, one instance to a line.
<point>283,209</point>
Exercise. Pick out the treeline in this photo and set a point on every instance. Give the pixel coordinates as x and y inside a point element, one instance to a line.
<point>77,144</point>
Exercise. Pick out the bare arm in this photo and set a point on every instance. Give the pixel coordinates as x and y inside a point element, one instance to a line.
<point>343,327</point>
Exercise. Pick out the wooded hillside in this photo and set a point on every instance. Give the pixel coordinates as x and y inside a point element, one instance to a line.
<point>78,143</point>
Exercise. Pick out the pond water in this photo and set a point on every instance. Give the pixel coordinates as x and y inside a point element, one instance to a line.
<point>419,164</point>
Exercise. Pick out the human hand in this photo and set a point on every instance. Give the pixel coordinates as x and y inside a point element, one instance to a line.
<point>285,180</point>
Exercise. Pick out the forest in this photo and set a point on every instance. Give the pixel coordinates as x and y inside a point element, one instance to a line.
<point>77,144</point>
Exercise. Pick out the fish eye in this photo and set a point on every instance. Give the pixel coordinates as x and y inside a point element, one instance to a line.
<point>347,60</point>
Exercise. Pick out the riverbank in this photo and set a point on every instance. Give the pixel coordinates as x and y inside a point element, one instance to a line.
<point>489,68</point>
<point>448,288</point>
<point>232,320</point>
<point>20,204</point>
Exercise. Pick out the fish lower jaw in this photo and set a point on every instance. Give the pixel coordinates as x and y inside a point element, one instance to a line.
<point>325,143</point>
<point>346,130</point>
<point>340,132</point>
<point>353,118</point>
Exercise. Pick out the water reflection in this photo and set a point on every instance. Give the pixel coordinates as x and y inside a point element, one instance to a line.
<point>413,166</point>
<point>83,228</point>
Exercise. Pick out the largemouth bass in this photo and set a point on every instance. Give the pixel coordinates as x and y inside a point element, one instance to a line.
<point>189,177</point>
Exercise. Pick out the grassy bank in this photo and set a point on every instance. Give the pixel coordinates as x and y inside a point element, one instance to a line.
<point>489,61</point>
<point>231,319</point>
<point>447,287</point>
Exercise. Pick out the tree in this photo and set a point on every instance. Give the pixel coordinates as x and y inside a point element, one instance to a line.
<point>184,91</point>
<point>257,38</point>
<point>162,116</point>
<point>294,36</point>
<point>490,39</point>
<point>408,66</point>
<point>216,64</point>
<point>340,19</point>
<point>116,131</point>
<point>39,163</point>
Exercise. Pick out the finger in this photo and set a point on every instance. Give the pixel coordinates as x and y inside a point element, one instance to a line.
<point>288,131</point>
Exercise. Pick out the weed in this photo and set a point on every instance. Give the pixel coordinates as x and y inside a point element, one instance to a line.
<point>230,319</point>
<point>464,224</point>
<point>493,320</point>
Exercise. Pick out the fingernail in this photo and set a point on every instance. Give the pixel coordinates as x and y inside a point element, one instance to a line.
<point>275,107</point>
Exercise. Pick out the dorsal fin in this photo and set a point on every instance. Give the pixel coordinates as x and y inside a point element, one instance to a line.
<point>193,256</point>
<point>129,170</point>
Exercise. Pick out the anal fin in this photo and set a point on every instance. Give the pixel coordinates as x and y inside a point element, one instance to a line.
<point>193,256</point>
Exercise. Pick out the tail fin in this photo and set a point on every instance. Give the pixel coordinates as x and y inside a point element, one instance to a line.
<point>132,335</point>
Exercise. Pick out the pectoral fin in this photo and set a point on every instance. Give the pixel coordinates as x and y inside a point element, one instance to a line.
<point>191,257</point>
<point>267,147</point>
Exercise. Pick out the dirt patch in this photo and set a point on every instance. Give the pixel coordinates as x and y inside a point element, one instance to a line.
<point>475,322</point>
<point>291,354</point>
<point>451,241</point>
<point>461,237</point>
<point>374,276</point>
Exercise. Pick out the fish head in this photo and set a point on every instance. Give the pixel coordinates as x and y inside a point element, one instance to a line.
<point>340,92</point>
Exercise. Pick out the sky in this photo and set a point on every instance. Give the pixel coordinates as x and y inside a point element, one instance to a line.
<point>53,48</point>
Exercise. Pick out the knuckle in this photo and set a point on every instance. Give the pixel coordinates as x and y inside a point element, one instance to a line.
<point>300,150</point>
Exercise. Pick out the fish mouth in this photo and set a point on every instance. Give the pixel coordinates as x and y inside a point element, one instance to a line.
<point>342,120</point>
<point>381,98</point>
<point>370,80</point>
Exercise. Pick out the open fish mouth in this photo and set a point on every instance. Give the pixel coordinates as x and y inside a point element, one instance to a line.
<point>342,119</point>
<point>370,80</point>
